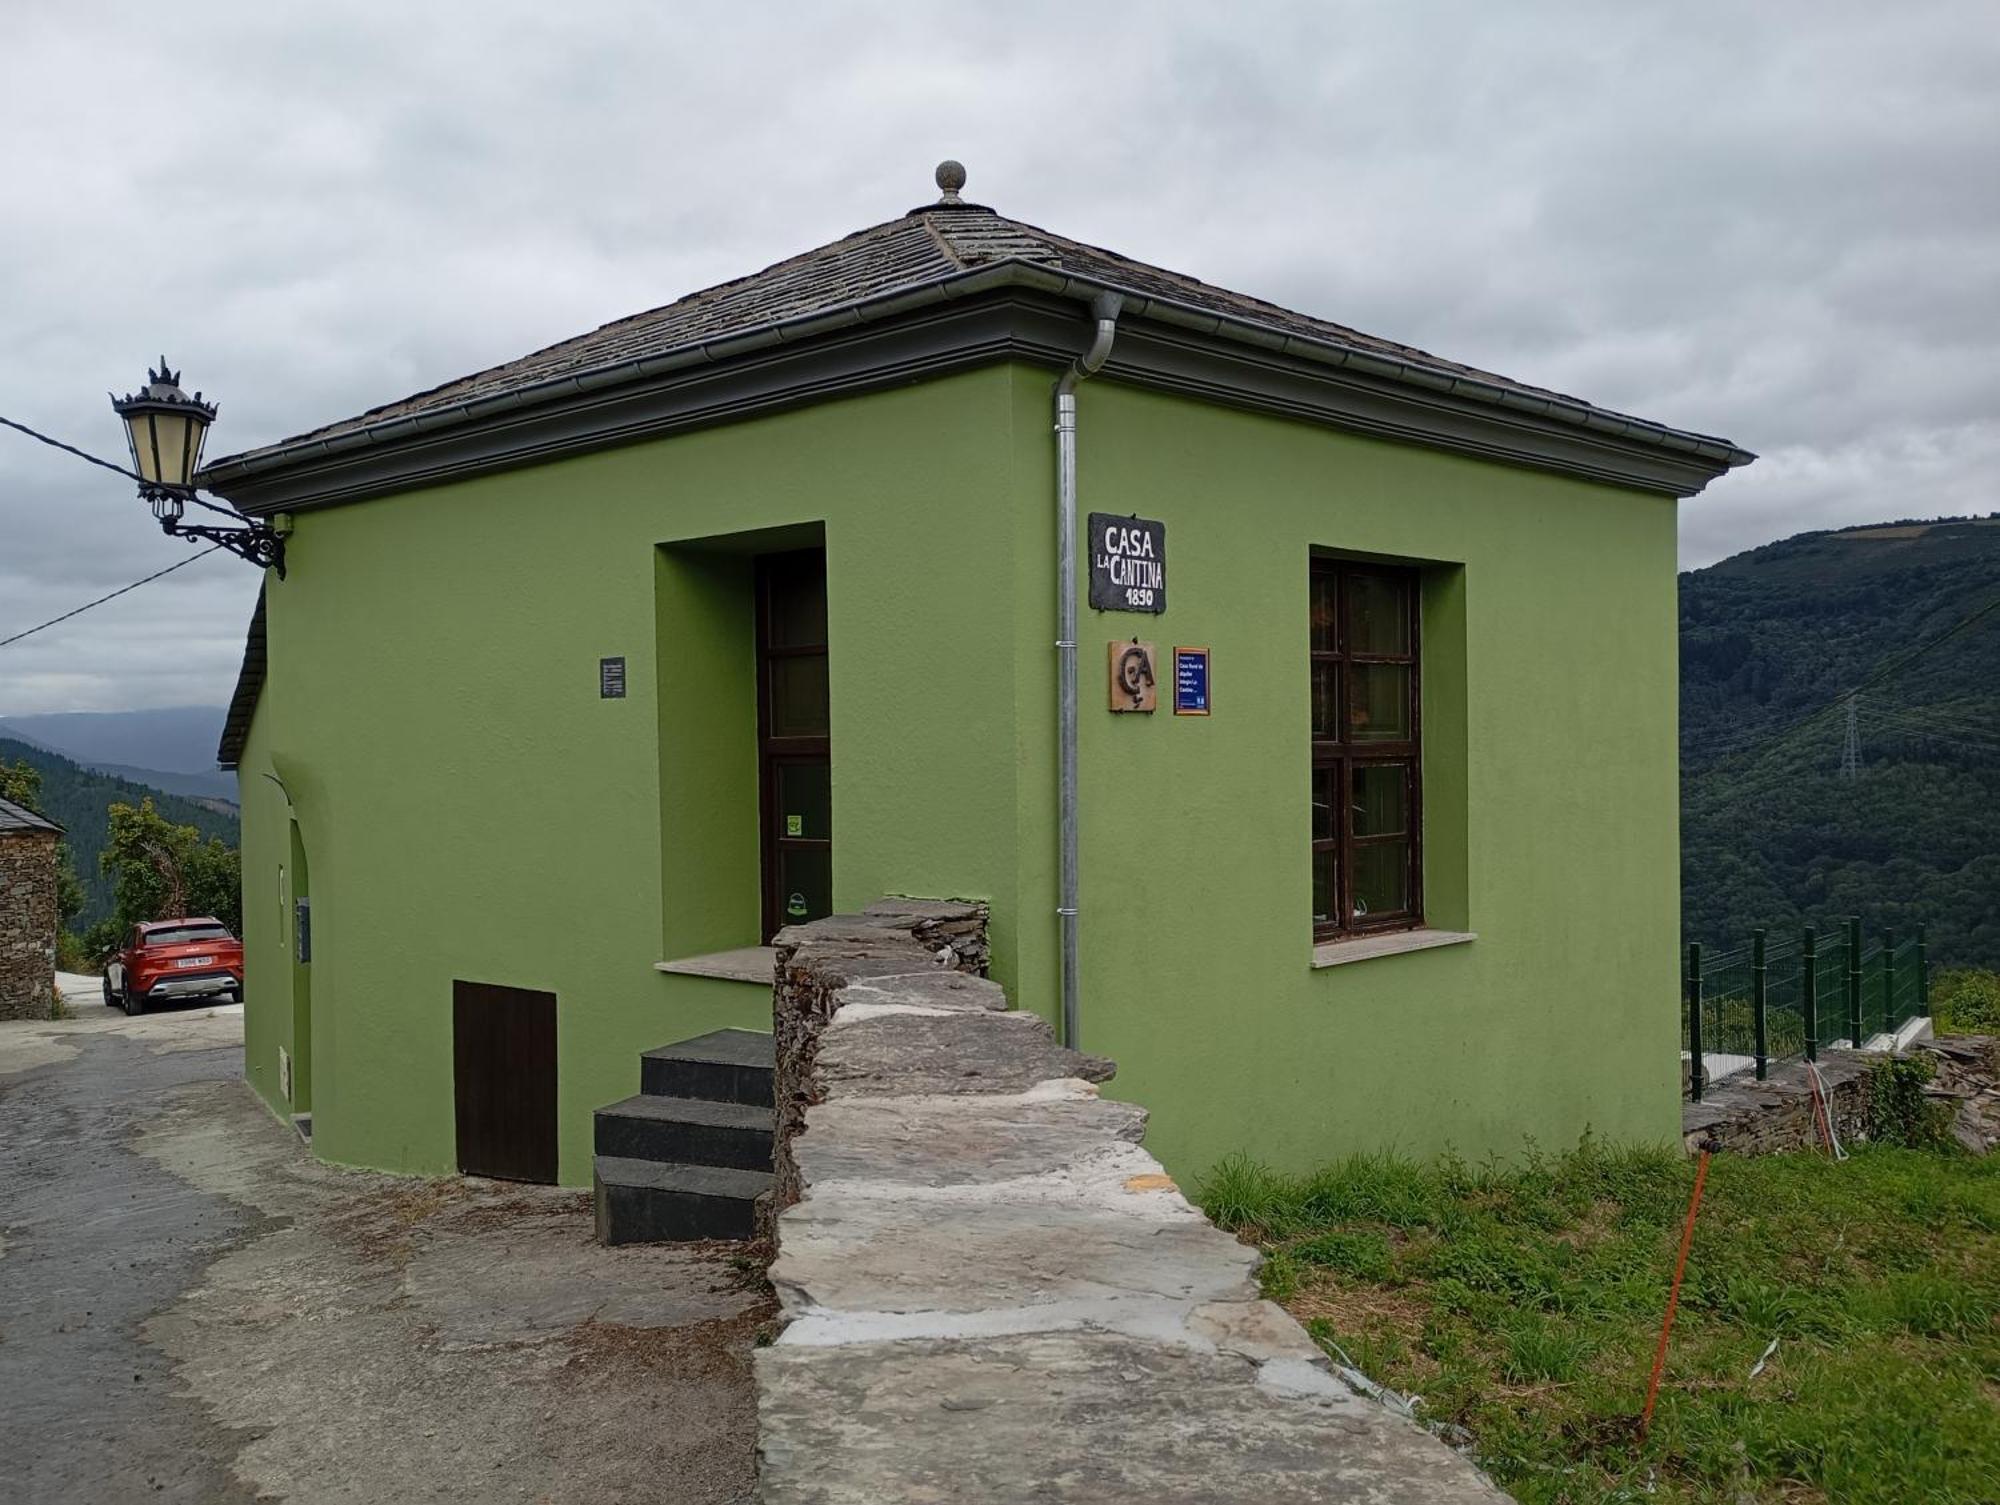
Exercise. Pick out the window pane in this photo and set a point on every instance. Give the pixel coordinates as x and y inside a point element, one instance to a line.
<point>1326,698</point>
<point>1380,790</point>
<point>1378,614</point>
<point>1381,879</point>
<point>798,696</point>
<point>1326,803</point>
<point>1325,891</point>
<point>798,602</point>
<point>805,800</point>
<point>805,884</point>
<point>1381,704</point>
<point>1325,612</point>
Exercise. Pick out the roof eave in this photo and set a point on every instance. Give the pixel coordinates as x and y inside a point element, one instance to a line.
<point>247,469</point>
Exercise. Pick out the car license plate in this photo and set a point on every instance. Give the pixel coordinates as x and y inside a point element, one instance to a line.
<point>194,961</point>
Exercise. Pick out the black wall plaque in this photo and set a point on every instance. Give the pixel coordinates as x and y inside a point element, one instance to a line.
<point>1128,563</point>
<point>611,678</point>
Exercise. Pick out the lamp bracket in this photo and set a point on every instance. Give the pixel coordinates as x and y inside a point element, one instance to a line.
<point>256,541</point>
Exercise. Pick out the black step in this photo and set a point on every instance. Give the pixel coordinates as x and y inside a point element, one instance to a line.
<point>724,1066</point>
<point>649,1201</point>
<point>687,1130</point>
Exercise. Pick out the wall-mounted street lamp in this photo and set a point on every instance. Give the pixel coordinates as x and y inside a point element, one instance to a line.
<point>166,429</point>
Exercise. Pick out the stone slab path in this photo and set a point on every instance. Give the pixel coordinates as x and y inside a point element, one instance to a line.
<point>996,1295</point>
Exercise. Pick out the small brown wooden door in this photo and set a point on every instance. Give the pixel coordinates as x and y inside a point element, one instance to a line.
<point>504,1074</point>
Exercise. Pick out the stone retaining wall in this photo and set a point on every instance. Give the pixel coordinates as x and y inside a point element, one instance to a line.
<point>27,923</point>
<point>1750,1117</point>
<point>993,1292</point>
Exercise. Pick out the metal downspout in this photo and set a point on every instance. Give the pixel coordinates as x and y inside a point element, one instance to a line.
<point>1105,306</point>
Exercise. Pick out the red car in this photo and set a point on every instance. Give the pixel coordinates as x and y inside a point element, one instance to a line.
<point>193,958</point>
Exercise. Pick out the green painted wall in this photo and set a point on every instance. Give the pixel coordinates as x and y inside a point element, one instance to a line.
<point>267,898</point>
<point>1550,797</point>
<point>472,809</point>
<point>299,874</point>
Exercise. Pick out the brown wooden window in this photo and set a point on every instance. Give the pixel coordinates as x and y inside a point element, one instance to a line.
<point>795,766</point>
<point>1367,767</point>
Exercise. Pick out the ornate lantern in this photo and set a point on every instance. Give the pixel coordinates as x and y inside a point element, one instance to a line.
<point>165,429</point>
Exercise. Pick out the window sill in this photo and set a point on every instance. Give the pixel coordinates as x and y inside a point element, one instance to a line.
<point>758,964</point>
<point>1395,943</point>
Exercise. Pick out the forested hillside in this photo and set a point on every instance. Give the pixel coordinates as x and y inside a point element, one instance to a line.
<point>1907,616</point>
<point>78,799</point>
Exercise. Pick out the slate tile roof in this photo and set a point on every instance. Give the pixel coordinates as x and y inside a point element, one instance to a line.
<point>920,247</point>
<point>15,817</point>
<point>249,685</point>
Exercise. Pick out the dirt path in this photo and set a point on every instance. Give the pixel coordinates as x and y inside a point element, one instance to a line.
<point>192,1309</point>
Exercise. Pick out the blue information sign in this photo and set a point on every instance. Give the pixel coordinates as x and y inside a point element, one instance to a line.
<point>1190,681</point>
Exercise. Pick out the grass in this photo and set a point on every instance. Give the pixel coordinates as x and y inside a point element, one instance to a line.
<point>1523,1303</point>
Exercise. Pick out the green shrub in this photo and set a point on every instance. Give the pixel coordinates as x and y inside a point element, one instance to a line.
<point>72,955</point>
<point>1966,1001</point>
<point>1898,1111</point>
<point>99,941</point>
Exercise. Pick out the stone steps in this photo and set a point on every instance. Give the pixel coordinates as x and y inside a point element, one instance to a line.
<point>686,1130</point>
<point>654,1201</point>
<point>689,1156</point>
<point>724,1066</point>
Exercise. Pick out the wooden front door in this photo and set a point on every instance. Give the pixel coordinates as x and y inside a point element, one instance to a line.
<point>795,766</point>
<point>504,1076</point>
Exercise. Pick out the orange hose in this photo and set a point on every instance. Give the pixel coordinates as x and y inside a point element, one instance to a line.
<point>1673,1297</point>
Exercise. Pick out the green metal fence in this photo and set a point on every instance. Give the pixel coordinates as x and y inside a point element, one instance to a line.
<point>1782,997</point>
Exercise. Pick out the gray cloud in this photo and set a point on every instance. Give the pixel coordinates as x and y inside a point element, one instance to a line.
<point>1777,222</point>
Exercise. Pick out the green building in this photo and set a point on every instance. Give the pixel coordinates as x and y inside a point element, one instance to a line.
<point>589,671</point>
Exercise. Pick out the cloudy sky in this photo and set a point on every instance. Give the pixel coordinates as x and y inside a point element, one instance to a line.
<point>1779,222</point>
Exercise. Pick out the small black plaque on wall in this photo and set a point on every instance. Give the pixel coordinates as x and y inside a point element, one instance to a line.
<point>1128,563</point>
<point>611,678</point>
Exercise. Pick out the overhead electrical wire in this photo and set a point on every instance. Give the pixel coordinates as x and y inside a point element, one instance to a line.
<point>84,454</point>
<point>1935,719</point>
<point>52,621</point>
<point>1953,731</point>
<point>1733,746</point>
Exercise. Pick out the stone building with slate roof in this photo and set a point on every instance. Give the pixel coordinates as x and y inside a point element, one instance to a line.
<point>594,669</point>
<point>28,914</point>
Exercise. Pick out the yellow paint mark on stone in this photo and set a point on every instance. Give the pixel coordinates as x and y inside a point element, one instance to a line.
<point>1150,1183</point>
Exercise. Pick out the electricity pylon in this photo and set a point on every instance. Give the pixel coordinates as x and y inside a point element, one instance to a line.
<point>1850,751</point>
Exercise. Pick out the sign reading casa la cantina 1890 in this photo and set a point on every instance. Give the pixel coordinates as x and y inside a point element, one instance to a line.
<point>1128,563</point>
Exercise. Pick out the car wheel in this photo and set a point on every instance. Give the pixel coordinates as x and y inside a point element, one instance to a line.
<point>110,998</point>
<point>134,1005</point>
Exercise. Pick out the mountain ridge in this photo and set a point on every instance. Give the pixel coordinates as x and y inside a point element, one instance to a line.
<point>169,739</point>
<point>1773,642</point>
<point>79,799</point>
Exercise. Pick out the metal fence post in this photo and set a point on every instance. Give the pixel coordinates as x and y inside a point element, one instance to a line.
<point>1757,1021</point>
<point>1854,980</point>
<point>1694,1020</point>
<point>1809,990</point>
<point>1889,1019</point>
<point>1923,977</point>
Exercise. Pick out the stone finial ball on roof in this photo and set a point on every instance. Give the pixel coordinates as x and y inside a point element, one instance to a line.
<point>950,178</point>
